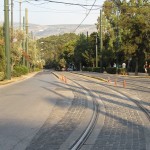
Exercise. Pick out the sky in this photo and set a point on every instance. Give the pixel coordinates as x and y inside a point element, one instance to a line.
<point>43,12</point>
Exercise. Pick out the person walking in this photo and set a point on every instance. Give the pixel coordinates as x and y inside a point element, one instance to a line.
<point>114,65</point>
<point>123,65</point>
<point>146,67</point>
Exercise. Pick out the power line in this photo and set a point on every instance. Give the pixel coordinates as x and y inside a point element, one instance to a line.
<point>55,10</point>
<point>66,3</point>
<point>48,8</point>
<point>85,16</point>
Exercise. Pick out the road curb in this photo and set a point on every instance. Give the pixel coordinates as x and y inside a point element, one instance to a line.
<point>17,79</point>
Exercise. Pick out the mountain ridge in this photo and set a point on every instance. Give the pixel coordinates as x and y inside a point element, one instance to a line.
<point>40,31</point>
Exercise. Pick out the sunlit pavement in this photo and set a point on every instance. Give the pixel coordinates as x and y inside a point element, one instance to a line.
<point>43,113</point>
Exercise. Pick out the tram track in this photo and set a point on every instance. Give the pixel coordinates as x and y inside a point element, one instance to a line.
<point>140,106</point>
<point>84,136</point>
<point>89,129</point>
<point>144,109</point>
<point>80,141</point>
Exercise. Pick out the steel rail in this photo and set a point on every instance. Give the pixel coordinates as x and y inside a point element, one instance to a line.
<point>86,133</point>
<point>142,108</point>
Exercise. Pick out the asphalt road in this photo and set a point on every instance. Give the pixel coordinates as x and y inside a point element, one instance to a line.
<point>24,107</point>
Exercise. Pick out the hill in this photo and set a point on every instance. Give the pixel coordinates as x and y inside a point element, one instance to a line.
<point>48,30</point>
<point>44,31</point>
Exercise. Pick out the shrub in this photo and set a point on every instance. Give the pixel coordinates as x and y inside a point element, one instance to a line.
<point>148,71</point>
<point>19,70</point>
<point>37,69</point>
<point>111,70</point>
<point>122,71</point>
<point>92,69</point>
<point>87,69</point>
<point>2,76</point>
<point>96,69</point>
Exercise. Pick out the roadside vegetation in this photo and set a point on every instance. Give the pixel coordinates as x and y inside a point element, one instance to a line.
<point>126,37</point>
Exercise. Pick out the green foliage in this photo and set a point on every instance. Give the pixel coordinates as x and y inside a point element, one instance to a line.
<point>148,71</point>
<point>96,69</point>
<point>2,76</point>
<point>92,69</point>
<point>2,57</point>
<point>57,47</point>
<point>80,50</point>
<point>122,71</point>
<point>37,69</point>
<point>16,48</point>
<point>19,70</point>
<point>131,29</point>
<point>111,70</point>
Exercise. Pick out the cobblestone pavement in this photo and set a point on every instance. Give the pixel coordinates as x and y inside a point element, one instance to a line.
<point>124,127</point>
<point>51,138</point>
<point>139,86</point>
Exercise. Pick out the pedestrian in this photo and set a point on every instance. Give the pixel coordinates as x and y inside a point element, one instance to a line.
<point>145,67</point>
<point>123,65</point>
<point>114,65</point>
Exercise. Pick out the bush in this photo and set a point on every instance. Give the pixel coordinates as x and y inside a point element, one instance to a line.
<point>19,70</point>
<point>37,69</point>
<point>92,69</point>
<point>111,70</point>
<point>96,69</point>
<point>122,71</point>
<point>148,71</point>
<point>87,69</point>
<point>2,76</point>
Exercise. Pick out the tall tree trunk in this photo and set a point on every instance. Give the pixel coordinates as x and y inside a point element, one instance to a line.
<point>136,66</point>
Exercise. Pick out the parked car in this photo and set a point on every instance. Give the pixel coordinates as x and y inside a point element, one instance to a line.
<point>69,69</point>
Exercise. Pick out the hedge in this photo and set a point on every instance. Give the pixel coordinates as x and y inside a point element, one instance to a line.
<point>148,71</point>
<point>2,76</point>
<point>122,71</point>
<point>111,70</point>
<point>19,70</point>
<point>92,69</point>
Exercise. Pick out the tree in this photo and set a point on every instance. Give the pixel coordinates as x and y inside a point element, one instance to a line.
<point>16,48</point>
<point>79,52</point>
<point>133,27</point>
<point>2,55</point>
<point>57,48</point>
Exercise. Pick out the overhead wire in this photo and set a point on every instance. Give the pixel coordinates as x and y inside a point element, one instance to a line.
<point>66,3</point>
<point>55,10</point>
<point>85,17</point>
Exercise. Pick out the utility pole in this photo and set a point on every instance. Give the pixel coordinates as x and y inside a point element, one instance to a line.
<point>96,52</point>
<point>12,30</point>
<point>117,65</point>
<point>26,26</point>
<point>24,40</point>
<point>7,39</point>
<point>101,43</point>
<point>87,36</point>
<point>20,12</point>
